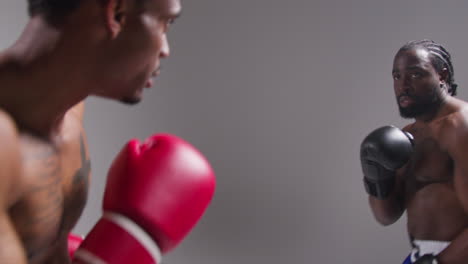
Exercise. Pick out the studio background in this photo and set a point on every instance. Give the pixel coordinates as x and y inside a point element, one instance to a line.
<point>278,95</point>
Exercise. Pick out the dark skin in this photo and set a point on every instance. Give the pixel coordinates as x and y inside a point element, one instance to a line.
<point>433,186</point>
<point>45,76</point>
<point>54,182</point>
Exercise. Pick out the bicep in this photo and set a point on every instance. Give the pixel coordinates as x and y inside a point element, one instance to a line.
<point>10,163</point>
<point>11,249</point>
<point>400,187</point>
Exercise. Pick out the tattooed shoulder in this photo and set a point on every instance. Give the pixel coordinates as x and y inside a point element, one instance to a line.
<point>82,173</point>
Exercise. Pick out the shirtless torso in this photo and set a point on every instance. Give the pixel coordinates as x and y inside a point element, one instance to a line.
<point>434,209</point>
<point>52,189</point>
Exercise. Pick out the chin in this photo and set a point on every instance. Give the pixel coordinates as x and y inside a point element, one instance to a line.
<point>130,100</point>
<point>133,97</point>
<point>408,112</point>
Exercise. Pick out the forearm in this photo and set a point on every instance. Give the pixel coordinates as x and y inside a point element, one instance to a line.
<point>386,211</point>
<point>383,152</point>
<point>457,251</point>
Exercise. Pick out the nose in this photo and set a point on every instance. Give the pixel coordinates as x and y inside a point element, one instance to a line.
<point>403,85</point>
<point>165,51</point>
<point>406,83</point>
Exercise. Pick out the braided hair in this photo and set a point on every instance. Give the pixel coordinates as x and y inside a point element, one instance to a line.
<point>52,9</point>
<point>440,59</point>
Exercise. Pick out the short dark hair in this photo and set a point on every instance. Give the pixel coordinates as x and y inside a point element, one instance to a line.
<point>52,9</point>
<point>440,59</point>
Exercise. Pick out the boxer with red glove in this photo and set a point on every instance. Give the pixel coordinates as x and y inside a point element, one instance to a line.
<point>155,194</point>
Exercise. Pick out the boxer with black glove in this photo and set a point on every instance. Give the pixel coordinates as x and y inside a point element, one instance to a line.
<point>428,179</point>
<point>384,151</point>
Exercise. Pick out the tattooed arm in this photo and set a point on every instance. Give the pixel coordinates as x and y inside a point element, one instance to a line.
<point>11,249</point>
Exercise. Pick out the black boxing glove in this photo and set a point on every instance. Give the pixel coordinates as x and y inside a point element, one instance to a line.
<point>427,259</point>
<point>384,151</point>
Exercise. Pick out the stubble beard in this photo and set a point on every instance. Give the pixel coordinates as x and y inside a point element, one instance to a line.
<point>421,105</point>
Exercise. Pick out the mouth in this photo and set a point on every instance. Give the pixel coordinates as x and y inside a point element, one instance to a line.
<point>154,74</point>
<point>149,83</point>
<point>405,100</point>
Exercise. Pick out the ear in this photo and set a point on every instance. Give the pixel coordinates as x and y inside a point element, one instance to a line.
<point>444,75</point>
<point>115,12</point>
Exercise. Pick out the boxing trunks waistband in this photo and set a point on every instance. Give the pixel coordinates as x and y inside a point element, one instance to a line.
<point>423,247</point>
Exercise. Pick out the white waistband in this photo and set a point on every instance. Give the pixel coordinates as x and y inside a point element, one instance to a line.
<point>423,247</point>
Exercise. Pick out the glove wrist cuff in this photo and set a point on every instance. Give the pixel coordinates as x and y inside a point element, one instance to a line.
<point>117,239</point>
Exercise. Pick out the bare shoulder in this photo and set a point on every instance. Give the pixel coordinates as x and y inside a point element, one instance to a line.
<point>456,123</point>
<point>452,131</point>
<point>462,115</point>
<point>78,110</point>
<point>10,159</point>
<point>73,125</point>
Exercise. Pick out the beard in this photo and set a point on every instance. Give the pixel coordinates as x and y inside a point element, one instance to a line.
<point>421,105</point>
<point>130,100</point>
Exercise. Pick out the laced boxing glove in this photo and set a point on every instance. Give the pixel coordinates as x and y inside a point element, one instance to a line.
<point>383,151</point>
<point>155,194</point>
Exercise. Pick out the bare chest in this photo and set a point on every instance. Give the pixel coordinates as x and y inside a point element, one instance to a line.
<point>433,208</point>
<point>430,162</point>
<point>54,186</point>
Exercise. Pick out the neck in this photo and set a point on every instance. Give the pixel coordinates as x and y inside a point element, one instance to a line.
<point>446,107</point>
<point>42,77</point>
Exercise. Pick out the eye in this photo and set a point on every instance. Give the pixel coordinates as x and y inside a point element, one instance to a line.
<point>168,24</point>
<point>415,75</point>
<point>396,76</point>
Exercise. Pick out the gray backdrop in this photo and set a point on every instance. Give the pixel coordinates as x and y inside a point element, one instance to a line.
<point>278,95</point>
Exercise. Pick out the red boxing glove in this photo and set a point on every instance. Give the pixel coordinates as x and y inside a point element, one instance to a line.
<point>155,194</point>
<point>74,241</point>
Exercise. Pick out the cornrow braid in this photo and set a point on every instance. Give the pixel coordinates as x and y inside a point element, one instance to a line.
<point>441,59</point>
<point>54,8</point>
